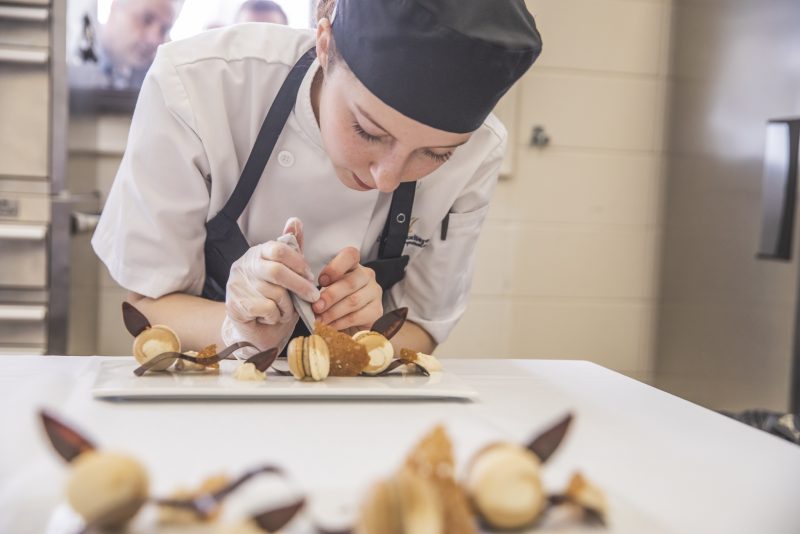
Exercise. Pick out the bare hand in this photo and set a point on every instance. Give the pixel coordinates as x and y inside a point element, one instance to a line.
<point>351,297</point>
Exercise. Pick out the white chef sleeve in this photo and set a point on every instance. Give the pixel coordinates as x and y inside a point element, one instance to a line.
<point>152,230</point>
<point>437,282</point>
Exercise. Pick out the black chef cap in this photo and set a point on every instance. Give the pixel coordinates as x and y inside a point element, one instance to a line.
<point>444,63</point>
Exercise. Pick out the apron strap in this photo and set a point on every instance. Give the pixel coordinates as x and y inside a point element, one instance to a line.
<point>267,137</point>
<point>225,242</point>
<point>395,231</point>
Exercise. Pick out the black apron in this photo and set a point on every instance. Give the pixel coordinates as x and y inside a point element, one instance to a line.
<point>225,242</point>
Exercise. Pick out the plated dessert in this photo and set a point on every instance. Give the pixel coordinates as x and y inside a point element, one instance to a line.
<point>500,489</point>
<point>327,352</point>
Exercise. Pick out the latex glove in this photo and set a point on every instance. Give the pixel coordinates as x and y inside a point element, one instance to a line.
<point>257,303</point>
<point>351,297</point>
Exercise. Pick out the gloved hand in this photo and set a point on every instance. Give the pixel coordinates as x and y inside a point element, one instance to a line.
<point>257,303</point>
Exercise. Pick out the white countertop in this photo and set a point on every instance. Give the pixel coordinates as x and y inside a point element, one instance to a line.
<point>666,464</point>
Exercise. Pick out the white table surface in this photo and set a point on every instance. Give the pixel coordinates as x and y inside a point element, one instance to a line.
<point>666,464</point>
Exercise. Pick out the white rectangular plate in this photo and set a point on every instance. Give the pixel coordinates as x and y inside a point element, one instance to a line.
<point>115,380</point>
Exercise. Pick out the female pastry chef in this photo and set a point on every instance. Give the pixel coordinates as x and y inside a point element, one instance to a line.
<point>371,140</point>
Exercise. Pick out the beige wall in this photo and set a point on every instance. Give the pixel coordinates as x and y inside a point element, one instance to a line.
<point>568,258</point>
<point>725,323</point>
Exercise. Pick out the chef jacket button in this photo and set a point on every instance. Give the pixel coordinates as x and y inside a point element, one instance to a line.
<point>285,158</point>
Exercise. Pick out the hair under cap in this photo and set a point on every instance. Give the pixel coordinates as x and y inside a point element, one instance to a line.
<point>444,63</point>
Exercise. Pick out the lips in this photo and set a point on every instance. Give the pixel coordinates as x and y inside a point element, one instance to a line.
<point>360,183</point>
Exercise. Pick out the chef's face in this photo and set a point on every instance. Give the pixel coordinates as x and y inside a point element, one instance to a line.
<point>371,145</point>
<point>135,28</point>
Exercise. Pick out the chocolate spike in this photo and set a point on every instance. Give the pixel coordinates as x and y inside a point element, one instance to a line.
<point>68,442</point>
<point>205,504</point>
<point>548,441</point>
<point>135,321</point>
<point>399,363</point>
<point>390,323</point>
<point>234,484</point>
<point>323,530</point>
<point>155,360</point>
<point>263,360</point>
<point>591,516</point>
<point>276,519</point>
<point>205,360</point>
<point>557,499</point>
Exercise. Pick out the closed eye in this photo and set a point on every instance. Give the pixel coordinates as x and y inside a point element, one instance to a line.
<point>364,134</point>
<point>438,158</point>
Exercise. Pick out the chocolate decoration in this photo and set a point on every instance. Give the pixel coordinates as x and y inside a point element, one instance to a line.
<point>68,442</point>
<point>590,515</point>
<point>593,517</point>
<point>274,520</point>
<point>135,321</point>
<point>234,484</point>
<point>390,323</point>
<point>399,363</point>
<point>263,360</point>
<point>548,441</point>
<point>206,360</point>
<point>204,505</point>
<point>323,530</point>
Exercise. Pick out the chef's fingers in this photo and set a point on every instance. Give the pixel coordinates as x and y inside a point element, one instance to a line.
<point>351,293</point>
<point>360,318</point>
<point>344,262</point>
<point>294,226</point>
<point>279,264</point>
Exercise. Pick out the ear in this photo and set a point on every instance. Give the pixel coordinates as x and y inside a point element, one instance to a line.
<point>324,33</point>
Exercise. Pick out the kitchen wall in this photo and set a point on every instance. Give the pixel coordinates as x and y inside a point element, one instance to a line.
<point>725,322</point>
<point>96,145</point>
<point>568,259</point>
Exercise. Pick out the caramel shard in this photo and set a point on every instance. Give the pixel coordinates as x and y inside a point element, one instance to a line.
<point>433,459</point>
<point>348,357</point>
<point>408,355</point>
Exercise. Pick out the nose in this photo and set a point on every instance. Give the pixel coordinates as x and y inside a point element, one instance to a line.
<point>388,172</point>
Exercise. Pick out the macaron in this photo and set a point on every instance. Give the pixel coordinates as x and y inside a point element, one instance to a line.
<point>379,350</point>
<point>504,486</point>
<point>309,358</point>
<point>107,489</point>
<point>153,341</point>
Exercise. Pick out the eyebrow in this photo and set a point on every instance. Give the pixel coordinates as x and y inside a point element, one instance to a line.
<point>373,121</point>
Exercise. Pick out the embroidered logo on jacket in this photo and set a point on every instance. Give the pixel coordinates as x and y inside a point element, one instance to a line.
<point>414,239</point>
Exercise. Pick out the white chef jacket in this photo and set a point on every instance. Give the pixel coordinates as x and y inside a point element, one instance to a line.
<point>197,117</point>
